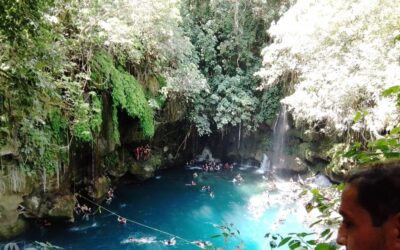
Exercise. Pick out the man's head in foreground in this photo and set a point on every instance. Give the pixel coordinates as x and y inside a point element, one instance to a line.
<point>370,208</point>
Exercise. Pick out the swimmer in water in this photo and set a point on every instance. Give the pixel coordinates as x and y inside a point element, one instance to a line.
<point>170,242</point>
<point>144,240</point>
<point>121,220</point>
<point>212,195</point>
<point>202,244</point>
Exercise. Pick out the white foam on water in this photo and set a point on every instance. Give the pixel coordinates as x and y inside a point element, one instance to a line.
<point>77,229</point>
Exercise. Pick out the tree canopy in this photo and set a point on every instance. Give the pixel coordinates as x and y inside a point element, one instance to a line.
<point>338,56</point>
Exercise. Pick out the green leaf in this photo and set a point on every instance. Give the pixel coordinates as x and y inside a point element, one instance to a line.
<point>328,235</point>
<point>325,232</point>
<point>294,244</point>
<point>284,241</point>
<point>325,246</point>
<point>216,236</point>
<point>395,131</point>
<point>309,207</point>
<point>357,117</point>
<point>391,154</point>
<point>315,223</point>
<point>304,234</point>
<point>311,242</point>
<point>391,91</point>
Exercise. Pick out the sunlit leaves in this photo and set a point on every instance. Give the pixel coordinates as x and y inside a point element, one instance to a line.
<point>338,64</point>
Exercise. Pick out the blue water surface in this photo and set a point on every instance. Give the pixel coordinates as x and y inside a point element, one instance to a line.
<point>169,204</point>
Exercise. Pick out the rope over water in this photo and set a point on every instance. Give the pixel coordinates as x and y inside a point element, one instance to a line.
<point>138,223</point>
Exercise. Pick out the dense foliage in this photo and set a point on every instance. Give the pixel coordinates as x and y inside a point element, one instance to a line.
<point>339,56</point>
<point>381,149</point>
<point>228,36</point>
<point>60,58</point>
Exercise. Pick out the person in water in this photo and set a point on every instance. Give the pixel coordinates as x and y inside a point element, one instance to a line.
<point>238,179</point>
<point>121,220</point>
<point>110,196</point>
<point>202,244</point>
<point>170,242</point>
<point>370,207</point>
<point>212,195</point>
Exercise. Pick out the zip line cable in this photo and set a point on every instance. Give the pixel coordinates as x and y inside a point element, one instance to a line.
<point>138,223</point>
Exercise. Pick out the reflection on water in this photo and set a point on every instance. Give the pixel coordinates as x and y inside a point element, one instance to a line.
<point>255,206</point>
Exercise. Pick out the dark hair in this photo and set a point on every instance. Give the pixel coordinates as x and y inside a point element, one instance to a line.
<point>378,191</point>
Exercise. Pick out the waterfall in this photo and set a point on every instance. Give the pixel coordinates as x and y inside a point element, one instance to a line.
<point>206,155</point>
<point>265,165</point>
<point>278,139</point>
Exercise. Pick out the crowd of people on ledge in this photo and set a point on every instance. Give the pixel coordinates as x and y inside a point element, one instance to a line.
<point>211,166</point>
<point>142,152</point>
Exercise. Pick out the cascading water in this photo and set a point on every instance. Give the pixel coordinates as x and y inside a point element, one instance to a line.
<point>265,165</point>
<point>278,140</point>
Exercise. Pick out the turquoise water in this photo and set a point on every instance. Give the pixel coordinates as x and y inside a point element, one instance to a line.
<point>167,203</point>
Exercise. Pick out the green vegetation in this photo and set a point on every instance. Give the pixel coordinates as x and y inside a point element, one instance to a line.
<point>228,37</point>
<point>127,93</point>
<point>385,148</point>
<point>71,69</point>
<point>326,201</point>
<point>61,62</point>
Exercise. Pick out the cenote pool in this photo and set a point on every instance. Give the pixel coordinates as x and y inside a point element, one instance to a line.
<point>169,204</point>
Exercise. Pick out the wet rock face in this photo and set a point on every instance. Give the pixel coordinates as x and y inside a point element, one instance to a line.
<point>58,207</point>
<point>11,225</point>
<point>63,207</point>
<point>101,186</point>
<point>294,164</point>
<point>252,148</point>
<point>145,169</point>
